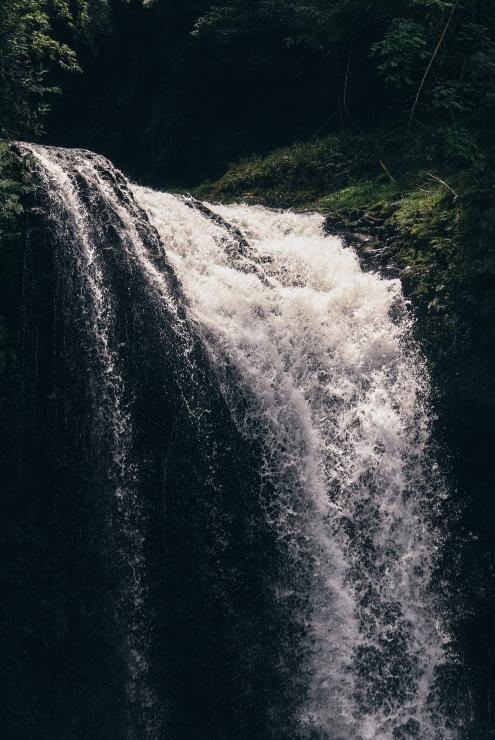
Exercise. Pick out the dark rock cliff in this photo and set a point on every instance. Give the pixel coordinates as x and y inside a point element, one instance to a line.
<point>210,617</point>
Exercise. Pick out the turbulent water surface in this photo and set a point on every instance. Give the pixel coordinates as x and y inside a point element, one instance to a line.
<point>314,360</point>
<point>340,397</point>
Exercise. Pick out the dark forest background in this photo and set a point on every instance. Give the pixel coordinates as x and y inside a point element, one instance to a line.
<point>174,92</point>
<point>380,113</point>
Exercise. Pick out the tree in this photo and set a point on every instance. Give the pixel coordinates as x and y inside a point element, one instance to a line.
<point>31,52</point>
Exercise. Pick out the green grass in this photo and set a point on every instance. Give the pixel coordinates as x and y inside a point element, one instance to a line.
<point>299,175</point>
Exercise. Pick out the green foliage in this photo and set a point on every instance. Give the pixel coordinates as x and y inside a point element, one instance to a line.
<point>446,50</point>
<point>401,52</point>
<point>319,25</point>
<point>15,182</point>
<point>304,172</point>
<point>291,22</point>
<point>441,50</point>
<point>26,47</point>
<point>30,53</point>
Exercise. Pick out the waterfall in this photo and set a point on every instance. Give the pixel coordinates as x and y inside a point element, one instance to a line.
<point>261,427</point>
<point>66,177</point>
<point>339,394</point>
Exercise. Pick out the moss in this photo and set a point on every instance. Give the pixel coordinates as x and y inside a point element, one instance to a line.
<point>364,195</point>
<point>300,175</point>
<point>15,183</point>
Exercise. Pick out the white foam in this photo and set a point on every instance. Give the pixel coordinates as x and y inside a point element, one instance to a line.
<point>337,392</point>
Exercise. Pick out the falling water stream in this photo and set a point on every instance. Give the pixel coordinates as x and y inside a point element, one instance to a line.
<point>315,361</point>
<point>339,393</point>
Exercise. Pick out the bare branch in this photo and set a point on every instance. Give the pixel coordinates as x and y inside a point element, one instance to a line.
<point>346,85</point>
<point>440,41</point>
<point>384,168</point>
<point>442,182</point>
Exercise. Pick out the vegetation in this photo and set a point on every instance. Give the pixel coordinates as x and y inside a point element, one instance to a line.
<point>32,49</point>
<point>175,92</point>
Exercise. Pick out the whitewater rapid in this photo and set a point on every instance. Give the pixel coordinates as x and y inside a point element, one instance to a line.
<point>315,358</point>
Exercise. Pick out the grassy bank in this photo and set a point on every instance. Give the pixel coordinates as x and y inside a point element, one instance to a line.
<point>434,222</point>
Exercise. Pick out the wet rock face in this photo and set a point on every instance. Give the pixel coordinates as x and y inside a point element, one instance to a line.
<point>376,244</point>
<point>138,599</point>
<point>60,629</point>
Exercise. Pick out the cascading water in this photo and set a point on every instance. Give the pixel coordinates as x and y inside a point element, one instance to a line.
<point>262,430</point>
<point>339,395</point>
<point>63,175</point>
